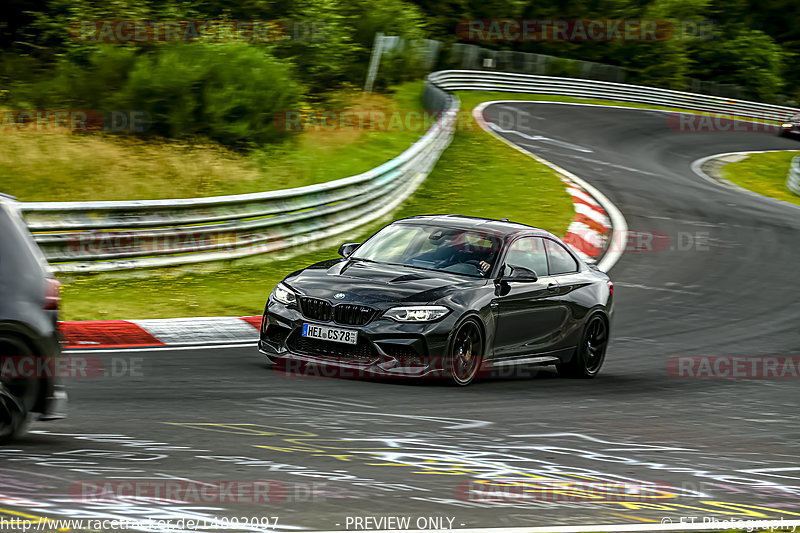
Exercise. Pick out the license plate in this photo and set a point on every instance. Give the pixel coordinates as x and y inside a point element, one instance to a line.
<point>325,333</point>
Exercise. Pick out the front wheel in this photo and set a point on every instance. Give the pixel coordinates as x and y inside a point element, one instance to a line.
<point>590,353</point>
<point>18,394</point>
<point>466,353</point>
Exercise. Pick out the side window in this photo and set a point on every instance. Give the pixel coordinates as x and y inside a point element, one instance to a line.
<point>561,262</point>
<point>528,252</point>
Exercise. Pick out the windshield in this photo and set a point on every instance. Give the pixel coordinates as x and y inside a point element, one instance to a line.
<point>468,252</point>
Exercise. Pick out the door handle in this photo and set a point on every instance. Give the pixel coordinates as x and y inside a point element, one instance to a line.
<point>552,286</point>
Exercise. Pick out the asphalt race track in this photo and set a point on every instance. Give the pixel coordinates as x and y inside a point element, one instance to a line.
<point>719,277</point>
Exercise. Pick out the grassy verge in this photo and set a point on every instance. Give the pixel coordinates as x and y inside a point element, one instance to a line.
<point>764,174</point>
<point>63,167</point>
<point>477,175</point>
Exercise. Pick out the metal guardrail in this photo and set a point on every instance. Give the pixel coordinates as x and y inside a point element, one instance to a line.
<point>452,80</point>
<point>793,180</point>
<point>101,236</point>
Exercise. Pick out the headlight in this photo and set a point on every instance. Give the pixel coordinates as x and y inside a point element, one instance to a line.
<point>787,125</point>
<point>283,295</point>
<point>417,313</point>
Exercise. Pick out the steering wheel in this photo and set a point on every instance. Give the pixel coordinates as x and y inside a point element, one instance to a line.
<point>475,263</point>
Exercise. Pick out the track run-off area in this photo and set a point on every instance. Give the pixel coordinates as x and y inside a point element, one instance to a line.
<point>662,435</point>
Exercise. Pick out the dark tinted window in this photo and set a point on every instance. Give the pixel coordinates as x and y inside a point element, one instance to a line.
<point>561,262</point>
<point>528,252</point>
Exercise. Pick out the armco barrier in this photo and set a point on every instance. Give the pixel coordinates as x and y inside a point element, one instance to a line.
<point>793,180</point>
<point>99,236</point>
<point>452,80</point>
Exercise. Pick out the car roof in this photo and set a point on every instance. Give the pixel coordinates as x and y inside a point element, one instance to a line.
<point>504,227</point>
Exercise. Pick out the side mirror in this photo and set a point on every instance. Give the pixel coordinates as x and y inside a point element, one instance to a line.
<point>519,273</point>
<point>347,249</point>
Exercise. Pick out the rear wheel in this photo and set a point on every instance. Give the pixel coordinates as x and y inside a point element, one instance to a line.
<point>18,394</point>
<point>591,352</point>
<point>466,353</point>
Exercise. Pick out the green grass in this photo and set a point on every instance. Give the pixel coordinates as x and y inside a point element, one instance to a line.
<point>62,167</point>
<point>764,174</point>
<point>477,175</point>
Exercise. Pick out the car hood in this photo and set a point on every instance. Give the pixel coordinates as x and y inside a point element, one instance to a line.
<point>374,283</point>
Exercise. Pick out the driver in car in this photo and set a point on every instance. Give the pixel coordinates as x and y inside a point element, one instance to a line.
<point>455,252</point>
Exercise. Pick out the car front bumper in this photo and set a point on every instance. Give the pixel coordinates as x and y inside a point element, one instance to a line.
<point>385,347</point>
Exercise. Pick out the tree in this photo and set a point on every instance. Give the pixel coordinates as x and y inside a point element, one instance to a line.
<point>749,58</point>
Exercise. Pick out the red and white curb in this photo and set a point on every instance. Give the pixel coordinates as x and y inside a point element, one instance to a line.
<point>597,223</point>
<point>194,331</point>
<point>590,230</point>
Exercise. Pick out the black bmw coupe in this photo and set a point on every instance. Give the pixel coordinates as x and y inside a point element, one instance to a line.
<point>444,295</point>
<point>791,128</point>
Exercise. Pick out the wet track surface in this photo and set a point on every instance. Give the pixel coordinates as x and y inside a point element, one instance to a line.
<point>635,444</point>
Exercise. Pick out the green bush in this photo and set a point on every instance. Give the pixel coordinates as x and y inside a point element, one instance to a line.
<point>227,92</point>
<point>83,83</point>
<point>565,68</point>
<point>397,67</point>
<point>748,58</point>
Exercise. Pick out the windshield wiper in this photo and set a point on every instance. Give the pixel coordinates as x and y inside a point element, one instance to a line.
<point>362,259</point>
<point>435,270</point>
<point>416,267</point>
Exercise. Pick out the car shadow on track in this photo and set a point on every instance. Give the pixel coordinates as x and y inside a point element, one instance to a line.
<point>497,375</point>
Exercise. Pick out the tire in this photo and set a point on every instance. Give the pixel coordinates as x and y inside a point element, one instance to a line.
<point>18,395</point>
<point>590,352</point>
<point>465,354</point>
